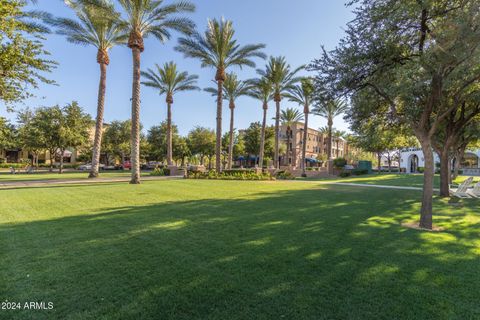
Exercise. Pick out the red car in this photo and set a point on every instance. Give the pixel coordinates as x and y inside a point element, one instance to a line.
<point>127,165</point>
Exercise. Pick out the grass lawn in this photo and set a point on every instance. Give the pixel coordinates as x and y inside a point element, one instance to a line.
<point>183,249</point>
<point>403,180</point>
<point>7,177</point>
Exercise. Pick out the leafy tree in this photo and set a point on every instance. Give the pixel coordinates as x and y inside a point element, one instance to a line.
<point>116,139</point>
<point>157,137</point>
<point>282,79</point>
<point>252,139</point>
<point>169,81</point>
<point>29,136</point>
<point>416,56</point>
<point>48,121</point>
<point>144,18</point>
<point>97,24</point>
<point>303,95</point>
<point>7,134</point>
<point>261,89</point>
<point>74,129</point>
<point>22,56</point>
<point>201,142</point>
<point>218,49</point>
<point>181,150</point>
<point>232,90</point>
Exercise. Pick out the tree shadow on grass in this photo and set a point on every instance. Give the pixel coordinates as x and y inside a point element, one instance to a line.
<point>326,253</point>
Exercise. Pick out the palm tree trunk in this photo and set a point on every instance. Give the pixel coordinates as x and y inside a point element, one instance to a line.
<point>276,157</point>
<point>262,138</point>
<point>230,144</point>
<point>304,145</point>
<point>62,151</point>
<point>218,142</point>
<point>329,142</point>
<point>289,150</point>
<point>169,135</point>
<point>97,142</point>
<point>135,136</point>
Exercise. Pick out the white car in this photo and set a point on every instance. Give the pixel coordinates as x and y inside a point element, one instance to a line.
<point>88,166</point>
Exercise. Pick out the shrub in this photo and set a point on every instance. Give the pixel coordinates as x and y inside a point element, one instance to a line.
<point>421,169</point>
<point>230,175</point>
<point>339,162</point>
<point>359,172</point>
<point>284,175</point>
<point>160,172</point>
<point>345,174</point>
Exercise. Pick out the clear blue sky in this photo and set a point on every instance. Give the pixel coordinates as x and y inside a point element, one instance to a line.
<point>295,29</point>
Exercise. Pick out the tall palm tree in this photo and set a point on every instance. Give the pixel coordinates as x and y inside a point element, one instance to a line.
<point>232,90</point>
<point>303,95</point>
<point>262,90</point>
<point>169,81</point>
<point>282,78</point>
<point>329,110</point>
<point>290,117</point>
<point>337,135</point>
<point>92,28</point>
<point>145,17</point>
<point>218,49</point>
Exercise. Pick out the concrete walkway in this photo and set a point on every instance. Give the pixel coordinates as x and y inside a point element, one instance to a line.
<point>39,183</point>
<point>369,185</point>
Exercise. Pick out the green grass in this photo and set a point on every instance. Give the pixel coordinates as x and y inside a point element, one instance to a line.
<point>402,180</point>
<point>184,249</point>
<point>7,177</point>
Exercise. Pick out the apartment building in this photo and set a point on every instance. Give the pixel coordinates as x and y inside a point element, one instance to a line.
<point>316,145</point>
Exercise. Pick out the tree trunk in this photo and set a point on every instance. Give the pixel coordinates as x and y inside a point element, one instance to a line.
<point>262,137</point>
<point>428,176</point>
<point>230,142</point>
<point>329,142</point>
<point>444,174</point>
<point>379,159</point>
<point>52,159</point>
<point>276,156</point>
<point>289,150</point>
<point>135,133</point>
<point>169,135</point>
<point>218,142</point>
<point>97,142</point>
<point>62,151</point>
<point>304,145</point>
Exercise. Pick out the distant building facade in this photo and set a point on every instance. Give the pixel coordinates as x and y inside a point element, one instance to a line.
<point>411,159</point>
<point>317,145</point>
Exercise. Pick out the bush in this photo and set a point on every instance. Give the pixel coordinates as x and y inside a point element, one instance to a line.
<point>359,172</point>
<point>339,162</point>
<point>345,174</point>
<point>160,172</point>
<point>285,175</point>
<point>230,175</point>
<point>421,169</point>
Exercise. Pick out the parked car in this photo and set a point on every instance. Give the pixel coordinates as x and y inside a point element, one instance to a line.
<point>127,165</point>
<point>88,166</point>
<point>151,165</point>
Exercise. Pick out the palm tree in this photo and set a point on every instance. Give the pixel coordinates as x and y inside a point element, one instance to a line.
<point>92,28</point>
<point>145,17</point>
<point>282,79</point>
<point>218,49</point>
<point>337,135</point>
<point>329,110</point>
<point>232,90</point>
<point>168,81</point>
<point>290,117</point>
<point>262,90</point>
<point>303,95</point>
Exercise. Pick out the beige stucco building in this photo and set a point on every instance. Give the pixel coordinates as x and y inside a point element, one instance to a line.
<point>316,145</point>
